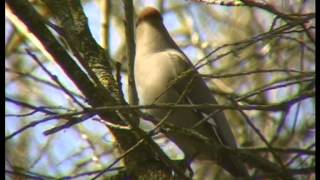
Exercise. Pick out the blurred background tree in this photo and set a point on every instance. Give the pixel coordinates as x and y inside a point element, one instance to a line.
<point>257,56</point>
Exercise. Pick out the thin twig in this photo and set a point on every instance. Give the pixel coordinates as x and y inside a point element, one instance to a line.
<point>255,72</point>
<point>118,159</point>
<point>54,78</point>
<point>129,31</point>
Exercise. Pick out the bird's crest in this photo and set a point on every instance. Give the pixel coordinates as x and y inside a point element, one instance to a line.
<point>149,12</point>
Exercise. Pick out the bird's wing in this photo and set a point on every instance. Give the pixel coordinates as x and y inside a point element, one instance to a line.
<point>199,93</point>
<point>163,69</point>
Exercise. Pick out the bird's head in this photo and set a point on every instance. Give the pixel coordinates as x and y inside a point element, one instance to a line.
<point>149,14</point>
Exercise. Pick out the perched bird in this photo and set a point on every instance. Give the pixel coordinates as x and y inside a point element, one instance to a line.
<point>158,62</point>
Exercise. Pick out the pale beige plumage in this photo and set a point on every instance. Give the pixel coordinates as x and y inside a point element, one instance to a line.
<point>158,62</point>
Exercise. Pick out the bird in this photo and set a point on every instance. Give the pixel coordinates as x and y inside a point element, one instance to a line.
<point>158,63</point>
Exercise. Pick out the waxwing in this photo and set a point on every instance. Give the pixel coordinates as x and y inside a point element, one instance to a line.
<point>158,62</point>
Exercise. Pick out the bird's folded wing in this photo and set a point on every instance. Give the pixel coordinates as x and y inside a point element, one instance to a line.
<point>199,93</point>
